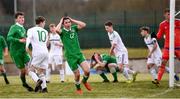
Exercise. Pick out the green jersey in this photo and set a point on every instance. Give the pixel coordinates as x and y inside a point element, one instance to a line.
<point>108,59</point>
<point>15,33</point>
<point>3,45</point>
<point>70,41</point>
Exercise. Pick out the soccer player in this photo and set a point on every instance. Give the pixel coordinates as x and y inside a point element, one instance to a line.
<point>164,30</point>
<point>38,37</point>
<point>104,62</point>
<point>119,50</point>
<point>3,52</point>
<point>55,53</point>
<point>73,54</point>
<point>17,39</point>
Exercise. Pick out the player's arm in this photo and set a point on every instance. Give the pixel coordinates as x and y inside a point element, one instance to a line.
<point>102,64</point>
<point>11,38</point>
<point>80,24</point>
<point>28,40</point>
<point>111,52</point>
<point>160,32</point>
<point>5,47</point>
<point>154,48</point>
<point>58,27</point>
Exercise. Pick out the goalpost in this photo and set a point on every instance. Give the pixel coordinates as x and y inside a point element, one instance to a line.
<point>171,49</point>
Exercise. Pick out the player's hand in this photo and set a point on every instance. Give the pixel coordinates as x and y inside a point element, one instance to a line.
<point>111,53</point>
<point>120,68</point>
<point>23,40</point>
<point>6,54</point>
<point>27,50</point>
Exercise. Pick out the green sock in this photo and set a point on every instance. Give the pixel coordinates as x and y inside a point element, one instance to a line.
<point>115,75</point>
<point>85,78</point>
<point>23,79</point>
<point>103,76</point>
<point>5,77</point>
<point>78,86</point>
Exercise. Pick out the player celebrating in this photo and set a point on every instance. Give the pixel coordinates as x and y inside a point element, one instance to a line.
<point>104,61</point>
<point>17,38</point>
<point>55,54</point>
<point>120,51</point>
<point>164,30</point>
<point>73,54</point>
<point>38,37</point>
<point>3,48</point>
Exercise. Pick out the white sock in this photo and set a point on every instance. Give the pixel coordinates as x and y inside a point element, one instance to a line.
<point>48,74</point>
<point>131,71</point>
<point>43,78</point>
<point>61,72</point>
<point>125,73</point>
<point>33,76</point>
<point>153,72</point>
<point>167,69</point>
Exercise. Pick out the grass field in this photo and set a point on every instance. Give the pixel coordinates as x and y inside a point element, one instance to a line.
<point>142,88</point>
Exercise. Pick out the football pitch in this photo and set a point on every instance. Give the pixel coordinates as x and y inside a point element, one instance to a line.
<point>142,88</point>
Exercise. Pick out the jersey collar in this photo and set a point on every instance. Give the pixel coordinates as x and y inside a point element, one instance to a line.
<point>19,24</point>
<point>67,29</point>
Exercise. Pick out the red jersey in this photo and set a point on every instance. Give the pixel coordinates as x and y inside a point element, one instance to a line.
<point>164,30</point>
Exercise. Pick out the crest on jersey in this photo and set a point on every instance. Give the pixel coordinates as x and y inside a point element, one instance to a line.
<point>72,35</point>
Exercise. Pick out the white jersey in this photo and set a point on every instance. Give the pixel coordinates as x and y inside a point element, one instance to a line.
<point>116,39</point>
<point>55,41</point>
<point>38,37</point>
<point>150,43</point>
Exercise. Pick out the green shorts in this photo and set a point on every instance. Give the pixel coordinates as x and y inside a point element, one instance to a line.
<point>75,60</point>
<point>1,62</point>
<point>20,59</point>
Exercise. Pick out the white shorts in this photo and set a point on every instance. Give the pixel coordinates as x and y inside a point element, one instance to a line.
<point>57,59</point>
<point>154,60</point>
<point>122,58</point>
<point>40,61</point>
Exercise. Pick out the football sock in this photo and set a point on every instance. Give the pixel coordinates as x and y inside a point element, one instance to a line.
<point>103,76</point>
<point>43,78</point>
<point>153,72</point>
<point>77,84</point>
<point>33,76</point>
<point>161,72</point>
<point>61,73</point>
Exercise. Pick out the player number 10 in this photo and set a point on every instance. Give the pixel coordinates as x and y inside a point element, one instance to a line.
<point>42,36</point>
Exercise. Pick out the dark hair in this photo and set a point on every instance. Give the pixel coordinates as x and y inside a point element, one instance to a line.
<point>145,28</point>
<point>18,14</point>
<point>39,19</point>
<point>108,23</point>
<point>65,18</point>
<point>166,10</point>
<point>52,25</point>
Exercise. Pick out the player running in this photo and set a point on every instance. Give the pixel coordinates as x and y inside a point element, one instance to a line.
<point>38,37</point>
<point>155,56</point>
<point>164,30</point>
<point>102,62</point>
<point>55,53</point>
<point>3,52</point>
<point>119,50</point>
<point>73,54</point>
<point>17,39</point>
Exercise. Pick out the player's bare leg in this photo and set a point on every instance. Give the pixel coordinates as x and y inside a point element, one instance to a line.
<point>77,81</point>
<point>3,72</point>
<point>86,68</point>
